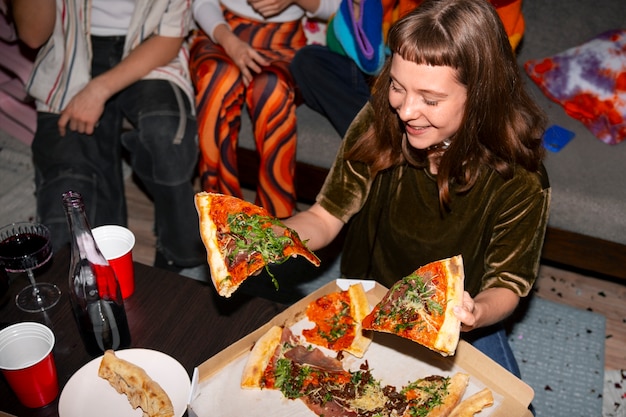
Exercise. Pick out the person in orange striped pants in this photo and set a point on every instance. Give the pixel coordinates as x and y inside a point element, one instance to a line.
<point>240,57</point>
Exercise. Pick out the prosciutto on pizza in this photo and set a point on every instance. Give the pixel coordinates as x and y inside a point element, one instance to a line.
<point>278,361</point>
<point>241,239</point>
<point>420,306</point>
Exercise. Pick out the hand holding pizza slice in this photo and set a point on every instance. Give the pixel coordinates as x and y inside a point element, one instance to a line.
<point>241,239</point>
<point>420,306</point>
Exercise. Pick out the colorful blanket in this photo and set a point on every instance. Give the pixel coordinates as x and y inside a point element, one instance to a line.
<point>364,39</point>
<point>359,38</point>
<point>589,81</point>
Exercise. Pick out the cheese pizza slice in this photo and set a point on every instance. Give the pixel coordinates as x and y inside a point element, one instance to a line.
<point>420,306</point>
<point>241,238</point>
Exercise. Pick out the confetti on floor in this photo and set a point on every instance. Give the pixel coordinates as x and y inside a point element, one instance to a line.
<point>560,350</point>
<point>614,399</point>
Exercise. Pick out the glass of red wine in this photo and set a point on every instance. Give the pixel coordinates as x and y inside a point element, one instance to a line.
<point>24,247</point>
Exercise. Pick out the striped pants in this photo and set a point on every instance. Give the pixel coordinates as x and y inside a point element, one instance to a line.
<point>270,101</point>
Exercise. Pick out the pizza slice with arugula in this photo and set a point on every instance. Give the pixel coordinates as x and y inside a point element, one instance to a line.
<point>420,306</point>
<point>240,239</point>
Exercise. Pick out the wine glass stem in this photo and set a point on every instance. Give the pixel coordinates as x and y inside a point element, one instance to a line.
<point>31,278</point>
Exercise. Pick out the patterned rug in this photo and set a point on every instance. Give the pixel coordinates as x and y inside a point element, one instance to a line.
<point>560,351</point>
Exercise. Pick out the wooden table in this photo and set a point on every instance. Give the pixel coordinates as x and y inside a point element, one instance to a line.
<point>179,316</point>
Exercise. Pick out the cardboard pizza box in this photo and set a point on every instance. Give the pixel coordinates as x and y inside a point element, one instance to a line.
<point>396,361</point>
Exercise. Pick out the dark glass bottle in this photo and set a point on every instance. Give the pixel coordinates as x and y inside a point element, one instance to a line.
<point>94,291</point>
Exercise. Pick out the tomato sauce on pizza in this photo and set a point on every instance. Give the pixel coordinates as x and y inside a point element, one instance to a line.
<point>337,320</point>
<point>335,326</point>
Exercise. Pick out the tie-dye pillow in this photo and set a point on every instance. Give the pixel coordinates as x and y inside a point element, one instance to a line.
<point>589,81</point>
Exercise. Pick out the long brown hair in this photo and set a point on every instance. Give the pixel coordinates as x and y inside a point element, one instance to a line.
<point>502,126</point>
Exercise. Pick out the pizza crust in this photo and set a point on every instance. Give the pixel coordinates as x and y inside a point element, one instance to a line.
<point>208,233</point>
<point>449,333</point>
<point>141,390</point>
<point>473,404</point>
<point>359,308</point>
<point>260,356</point>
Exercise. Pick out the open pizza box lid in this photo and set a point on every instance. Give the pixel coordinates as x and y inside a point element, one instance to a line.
<point>393,360</point>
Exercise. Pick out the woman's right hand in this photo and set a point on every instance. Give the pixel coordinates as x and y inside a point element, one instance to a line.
<point>315,226</point>
<point>247,59</point>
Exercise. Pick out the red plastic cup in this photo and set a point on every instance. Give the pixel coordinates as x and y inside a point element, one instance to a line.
<point>27,363</point>
<point>116,244</point>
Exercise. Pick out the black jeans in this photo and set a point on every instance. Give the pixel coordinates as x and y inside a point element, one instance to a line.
<point>163,149</point>
<point>331,84</point>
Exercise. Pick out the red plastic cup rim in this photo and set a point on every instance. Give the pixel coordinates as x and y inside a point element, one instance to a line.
<point>114,241</point>
<point>25,330</point>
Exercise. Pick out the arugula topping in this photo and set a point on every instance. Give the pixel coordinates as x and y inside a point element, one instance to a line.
<point>420,292</point>
<point>338,325</point>
<point>290,387</point>
<point>359,391</point>
<point>299,380</point>
<point>416,301</point>
<point>429,393</point>
<point>252,234</point>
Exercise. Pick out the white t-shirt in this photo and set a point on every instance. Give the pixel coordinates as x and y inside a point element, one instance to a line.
<point>111,17</point>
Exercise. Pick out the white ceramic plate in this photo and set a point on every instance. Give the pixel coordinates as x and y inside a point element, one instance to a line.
<point>86,394</point>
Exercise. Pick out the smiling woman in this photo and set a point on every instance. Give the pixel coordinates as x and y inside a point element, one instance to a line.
<point>429,101</point>
<point>484,196</point>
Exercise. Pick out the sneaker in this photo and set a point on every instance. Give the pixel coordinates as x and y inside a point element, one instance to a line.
<point>198,272</point>
<point>160,261</point>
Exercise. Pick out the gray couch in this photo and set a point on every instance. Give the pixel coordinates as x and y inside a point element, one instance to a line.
<point>587,226</point>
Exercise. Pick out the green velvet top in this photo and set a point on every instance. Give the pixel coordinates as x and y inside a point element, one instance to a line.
<point>396,225</point>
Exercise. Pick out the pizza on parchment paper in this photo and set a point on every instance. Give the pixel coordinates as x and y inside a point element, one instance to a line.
<point>240,240</point>
<point>420,306</point>
<point>278,361</point>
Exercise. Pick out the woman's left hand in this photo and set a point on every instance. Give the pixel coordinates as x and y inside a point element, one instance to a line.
<point>465,313</point>
<point>490,306</point>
